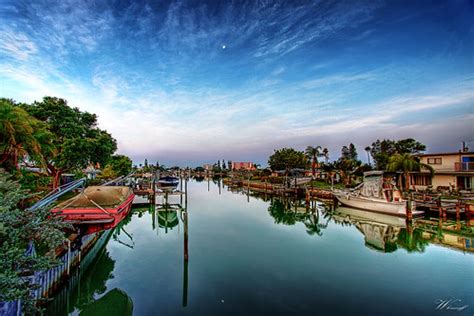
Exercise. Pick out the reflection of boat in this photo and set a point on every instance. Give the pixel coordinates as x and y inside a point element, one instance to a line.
<point>168,183</point>
<point>380,231</point>
<point>168,219</point>
<point>376,194</point>
<point>114,302</point>
<point>97,207</point>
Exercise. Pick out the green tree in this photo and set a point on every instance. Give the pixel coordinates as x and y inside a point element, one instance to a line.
<point>325,154</point>
<point>76,142</point>
<point>348,164</point>
<point>19,227</point>
<point>21,135</point>
<point>406,163</point>
<point>286,159</point>
<point>313,153</point>
<point>381,151</point>
<point>120,164</point>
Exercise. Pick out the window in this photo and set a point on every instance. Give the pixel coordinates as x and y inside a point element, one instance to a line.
<point>435,161</point>
<point>422,180</point>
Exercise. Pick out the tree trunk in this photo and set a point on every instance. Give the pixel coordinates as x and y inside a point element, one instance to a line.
<point>56,174</point>
<point>407,181</point>
<point>313,167</point>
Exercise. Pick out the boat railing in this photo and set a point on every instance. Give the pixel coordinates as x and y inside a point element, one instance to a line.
<point>118,180</point>
<point>58,192</point>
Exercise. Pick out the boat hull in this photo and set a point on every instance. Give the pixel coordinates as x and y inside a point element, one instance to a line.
<point>373,205</point>
<point>168,183</point>
<point>93,219</point>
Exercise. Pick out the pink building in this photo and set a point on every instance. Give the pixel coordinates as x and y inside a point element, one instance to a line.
<point>242,165</point>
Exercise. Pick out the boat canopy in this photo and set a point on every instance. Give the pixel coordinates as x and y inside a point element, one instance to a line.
<point>374,173</point>
<point>373,182</point>
<point>104,196</point>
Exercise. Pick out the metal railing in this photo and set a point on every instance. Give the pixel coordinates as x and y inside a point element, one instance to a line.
<point>464,166</point>
<point>56,193</point>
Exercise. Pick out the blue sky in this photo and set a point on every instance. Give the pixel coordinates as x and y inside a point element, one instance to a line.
<point>188,82</point>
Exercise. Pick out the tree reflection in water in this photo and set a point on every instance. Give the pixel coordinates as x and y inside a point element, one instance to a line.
<point>89,282</point>
<point>290,212</point>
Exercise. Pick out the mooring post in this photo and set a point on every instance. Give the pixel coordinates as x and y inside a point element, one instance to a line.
<point>408,210</point>
<point>440,208</point>
<point>68,256</point>
<point>458,211</point>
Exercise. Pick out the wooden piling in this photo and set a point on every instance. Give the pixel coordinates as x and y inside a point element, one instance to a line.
<point>408,210</point>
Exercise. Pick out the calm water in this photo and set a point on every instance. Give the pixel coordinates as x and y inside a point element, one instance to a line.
<point>248,256</point>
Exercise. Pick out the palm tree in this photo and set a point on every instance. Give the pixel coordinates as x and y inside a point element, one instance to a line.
<point>313,153</point>
<point>326,154</point>
<point>19,134</point>
<point>406,163</point>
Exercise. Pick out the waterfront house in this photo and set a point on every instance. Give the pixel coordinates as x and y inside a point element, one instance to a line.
<point>243,166</point>
<point>454,170</point>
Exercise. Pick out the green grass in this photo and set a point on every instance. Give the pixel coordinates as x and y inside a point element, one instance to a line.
<point>324,185</point>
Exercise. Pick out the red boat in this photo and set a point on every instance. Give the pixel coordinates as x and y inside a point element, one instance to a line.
<point>97,208</point>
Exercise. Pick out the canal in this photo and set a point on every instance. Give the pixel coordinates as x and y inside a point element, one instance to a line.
<point>253,255</point>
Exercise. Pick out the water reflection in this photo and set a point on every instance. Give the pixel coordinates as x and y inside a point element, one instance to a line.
<point>86,283</point>
<point>289,212</point>
<point>114,302</point>
<point>383,233</point>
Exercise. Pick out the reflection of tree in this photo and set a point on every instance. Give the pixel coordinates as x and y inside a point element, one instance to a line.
<point>278,211</point>
<point>198,179</point>
<point>114,302</point>
<point>313,227</point>
<point>413,242</point>
<point>93,281</point>
<point>288,212</point>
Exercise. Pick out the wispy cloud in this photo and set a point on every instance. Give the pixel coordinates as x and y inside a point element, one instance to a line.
<point>291,73</point>
<point>16,44</point>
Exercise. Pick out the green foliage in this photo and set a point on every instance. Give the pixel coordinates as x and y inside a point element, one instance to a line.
<point>121,165</point>
<point>21,135</point>
<point>406,163</point>
<point>313,153</point>
<point>287,158</point>
<point>17,228</point>
<point>77,140</point>
<point>381,151</point>
<point>348,164</point>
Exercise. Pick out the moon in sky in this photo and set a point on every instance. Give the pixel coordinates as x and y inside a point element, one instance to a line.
<point>223,46</point>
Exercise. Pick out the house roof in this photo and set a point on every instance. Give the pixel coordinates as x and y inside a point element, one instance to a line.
<point>448,154</point>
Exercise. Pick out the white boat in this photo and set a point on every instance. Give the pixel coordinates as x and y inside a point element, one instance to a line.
<point>377,194</point>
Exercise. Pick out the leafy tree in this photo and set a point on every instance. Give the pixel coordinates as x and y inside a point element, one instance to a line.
<point>347,164</point>
<point>349,152</point>
<point>76,142</point>
<point>223,164</point>
<point>120,164</point>
<point>325,154</point>
<point>313,153</point>
<point>108,173</point>
<point>406,163</point>
<point>21,135</point>
<point>381,151</point>
<point>286,159</point>
<point>17,228</point>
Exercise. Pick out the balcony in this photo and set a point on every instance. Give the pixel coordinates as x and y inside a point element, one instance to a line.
<point>464,166</point>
